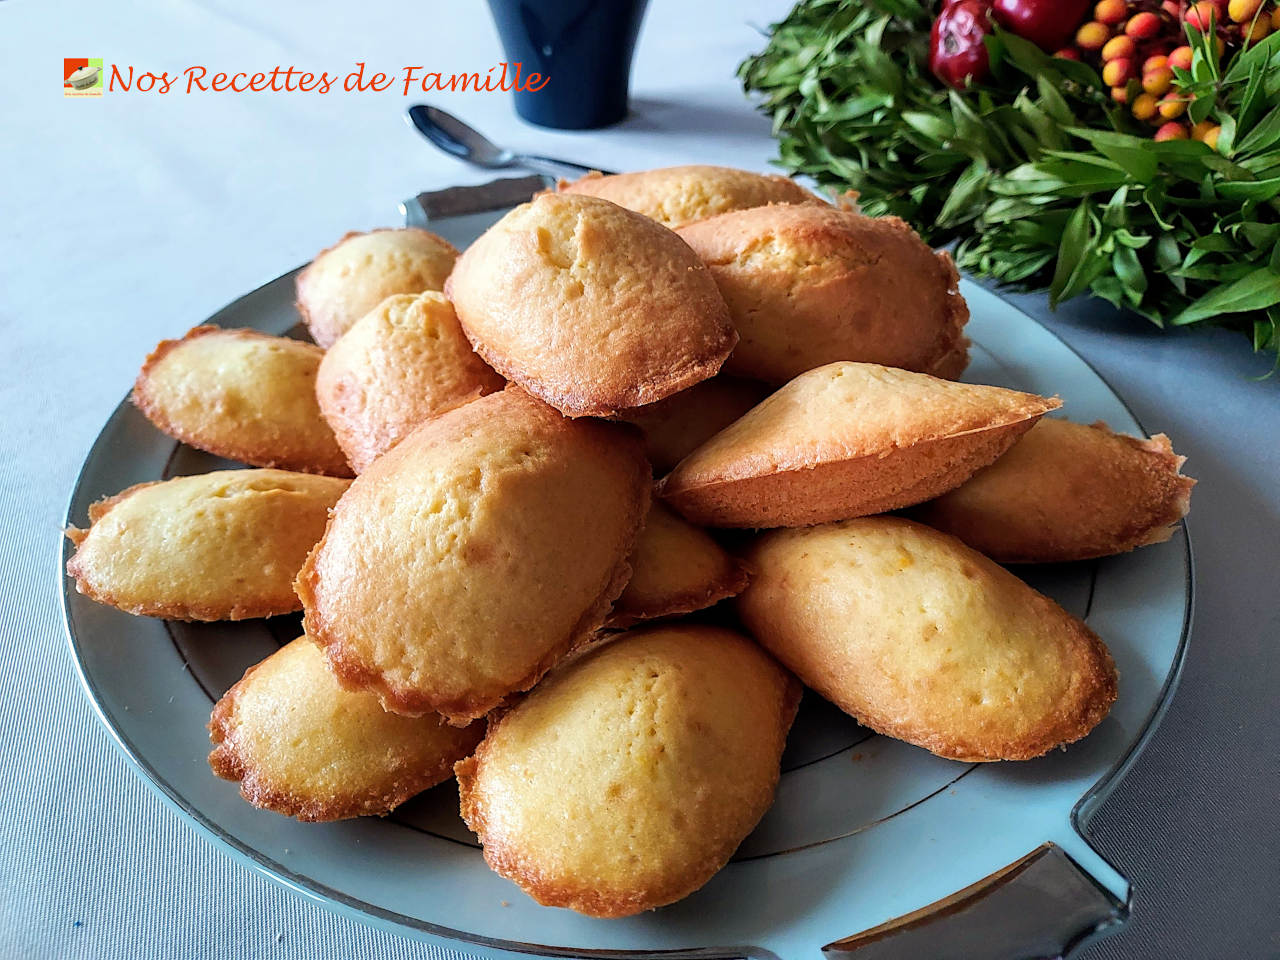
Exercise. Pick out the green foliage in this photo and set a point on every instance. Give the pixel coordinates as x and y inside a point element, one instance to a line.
<point>1038,176</point>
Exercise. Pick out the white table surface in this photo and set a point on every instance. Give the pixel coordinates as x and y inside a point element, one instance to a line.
<point>130,218</point>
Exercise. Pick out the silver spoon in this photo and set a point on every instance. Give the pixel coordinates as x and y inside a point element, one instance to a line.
<point>467,143</point>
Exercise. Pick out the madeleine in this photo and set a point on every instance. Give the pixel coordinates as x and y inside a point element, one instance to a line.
<point>590,307</point>
<point>673,428</point>
<point>242,395</point>
<point>675,196</point>
<point>349,279</point>
<point>301,745</point>
<point>923,639</point>
<point>675,568</point>
<point>811,284</point>
<point>463,563</point>
<point>218,546</point>
<point>1067,491</point>
<point>626,780</point>
<point>846,440</point>
<point>404,362</point>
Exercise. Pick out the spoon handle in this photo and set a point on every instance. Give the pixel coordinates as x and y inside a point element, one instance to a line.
<point>559,169</point>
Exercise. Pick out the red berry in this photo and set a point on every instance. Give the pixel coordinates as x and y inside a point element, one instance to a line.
<point>1142,26</point>
<point>1173,8</point>
<point>1068,53</point>
<point>1203,16</point>
<point>1171,131</point>
<point>1180,58</point>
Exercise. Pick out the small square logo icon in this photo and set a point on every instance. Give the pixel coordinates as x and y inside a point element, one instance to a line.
<point>82,77</point>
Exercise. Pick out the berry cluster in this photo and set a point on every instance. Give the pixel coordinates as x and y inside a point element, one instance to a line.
<point>1140,43</point>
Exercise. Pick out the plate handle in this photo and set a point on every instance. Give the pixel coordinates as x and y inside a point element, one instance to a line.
<point>1041,906</point>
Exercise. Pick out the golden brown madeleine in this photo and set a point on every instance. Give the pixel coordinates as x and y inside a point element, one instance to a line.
<point>1067,491</point>
<point>676,568</point>
<point>675,196</point>
<point>808,285</point>
<point>404,362</point>
<point>301,745</point>
<point>923,639</point>
<point>243,395</point>
<point>590,307</point>
<point>218,546</point>
<point>846,440</point>
<point>673,428</point>
<point>463,563</point>
<point>626,780</point>
<point>349,279</point>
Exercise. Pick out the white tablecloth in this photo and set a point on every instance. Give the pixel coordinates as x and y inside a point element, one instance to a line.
<point>127,219</point>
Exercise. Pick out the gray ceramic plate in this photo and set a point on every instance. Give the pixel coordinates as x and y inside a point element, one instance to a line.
<point>864,829</point>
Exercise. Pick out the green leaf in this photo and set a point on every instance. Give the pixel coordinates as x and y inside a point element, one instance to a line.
<point>1245,190</point>
<point>1254,60</point>
<point>968,188</point>
<point>1256,291</point>
<point>1125,263</point>
<point>1070,252</point>
<point>1263,136</point>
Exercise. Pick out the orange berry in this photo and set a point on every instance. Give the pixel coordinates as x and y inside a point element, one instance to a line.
<point>1144,106</point>
<point>1171,131</point>
<point>1275,19</point>
<point>1255,31</point>
<point>1111,11</point>
<point>1242,10</point>
<point>1211,138</point>
<point>1092,35</point>
<point>1068,53</point>
<point>1119,47</point>
<point>1172,106</point>
<point>1142,26</point>
<point>1180,58</point>
<point>1117,72</point>
<point>1202,16</point>
<point>1198,130</point>
<point>1120,94</point>
<point>1157,62</point>
<point>1157,81</point>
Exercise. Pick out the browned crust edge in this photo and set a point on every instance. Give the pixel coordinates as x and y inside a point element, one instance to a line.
<point>737,576</point>
<point>141,399</point>
<point>590,901</point>
<point>1095,693</point>
<point>639,394</point>
<point>227,763</point>
<point>203,613</point>
<point>704,504</point>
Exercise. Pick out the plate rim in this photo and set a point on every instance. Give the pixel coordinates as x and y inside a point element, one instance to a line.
<point>321,894</point>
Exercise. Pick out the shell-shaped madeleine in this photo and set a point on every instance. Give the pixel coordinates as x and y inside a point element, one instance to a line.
<point>301,745</point>
<point>242,395</point>
<point>1067,491</point>
<point>924,639</point>
<point>463,563</point>
<point>673,428</point>
<point>846,440</point>
<point>675,196</point>
<point>589,306</point>
<point>404,362</point>
<point>811,284</point>
<point>218,546</point>
<point>349,279</point>
<point>627,778</point>
<point>675,568</point>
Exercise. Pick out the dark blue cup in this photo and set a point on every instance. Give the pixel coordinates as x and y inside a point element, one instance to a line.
<point>584,46</point>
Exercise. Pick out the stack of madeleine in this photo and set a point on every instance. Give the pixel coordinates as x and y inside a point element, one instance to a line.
<point>495,487</point>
